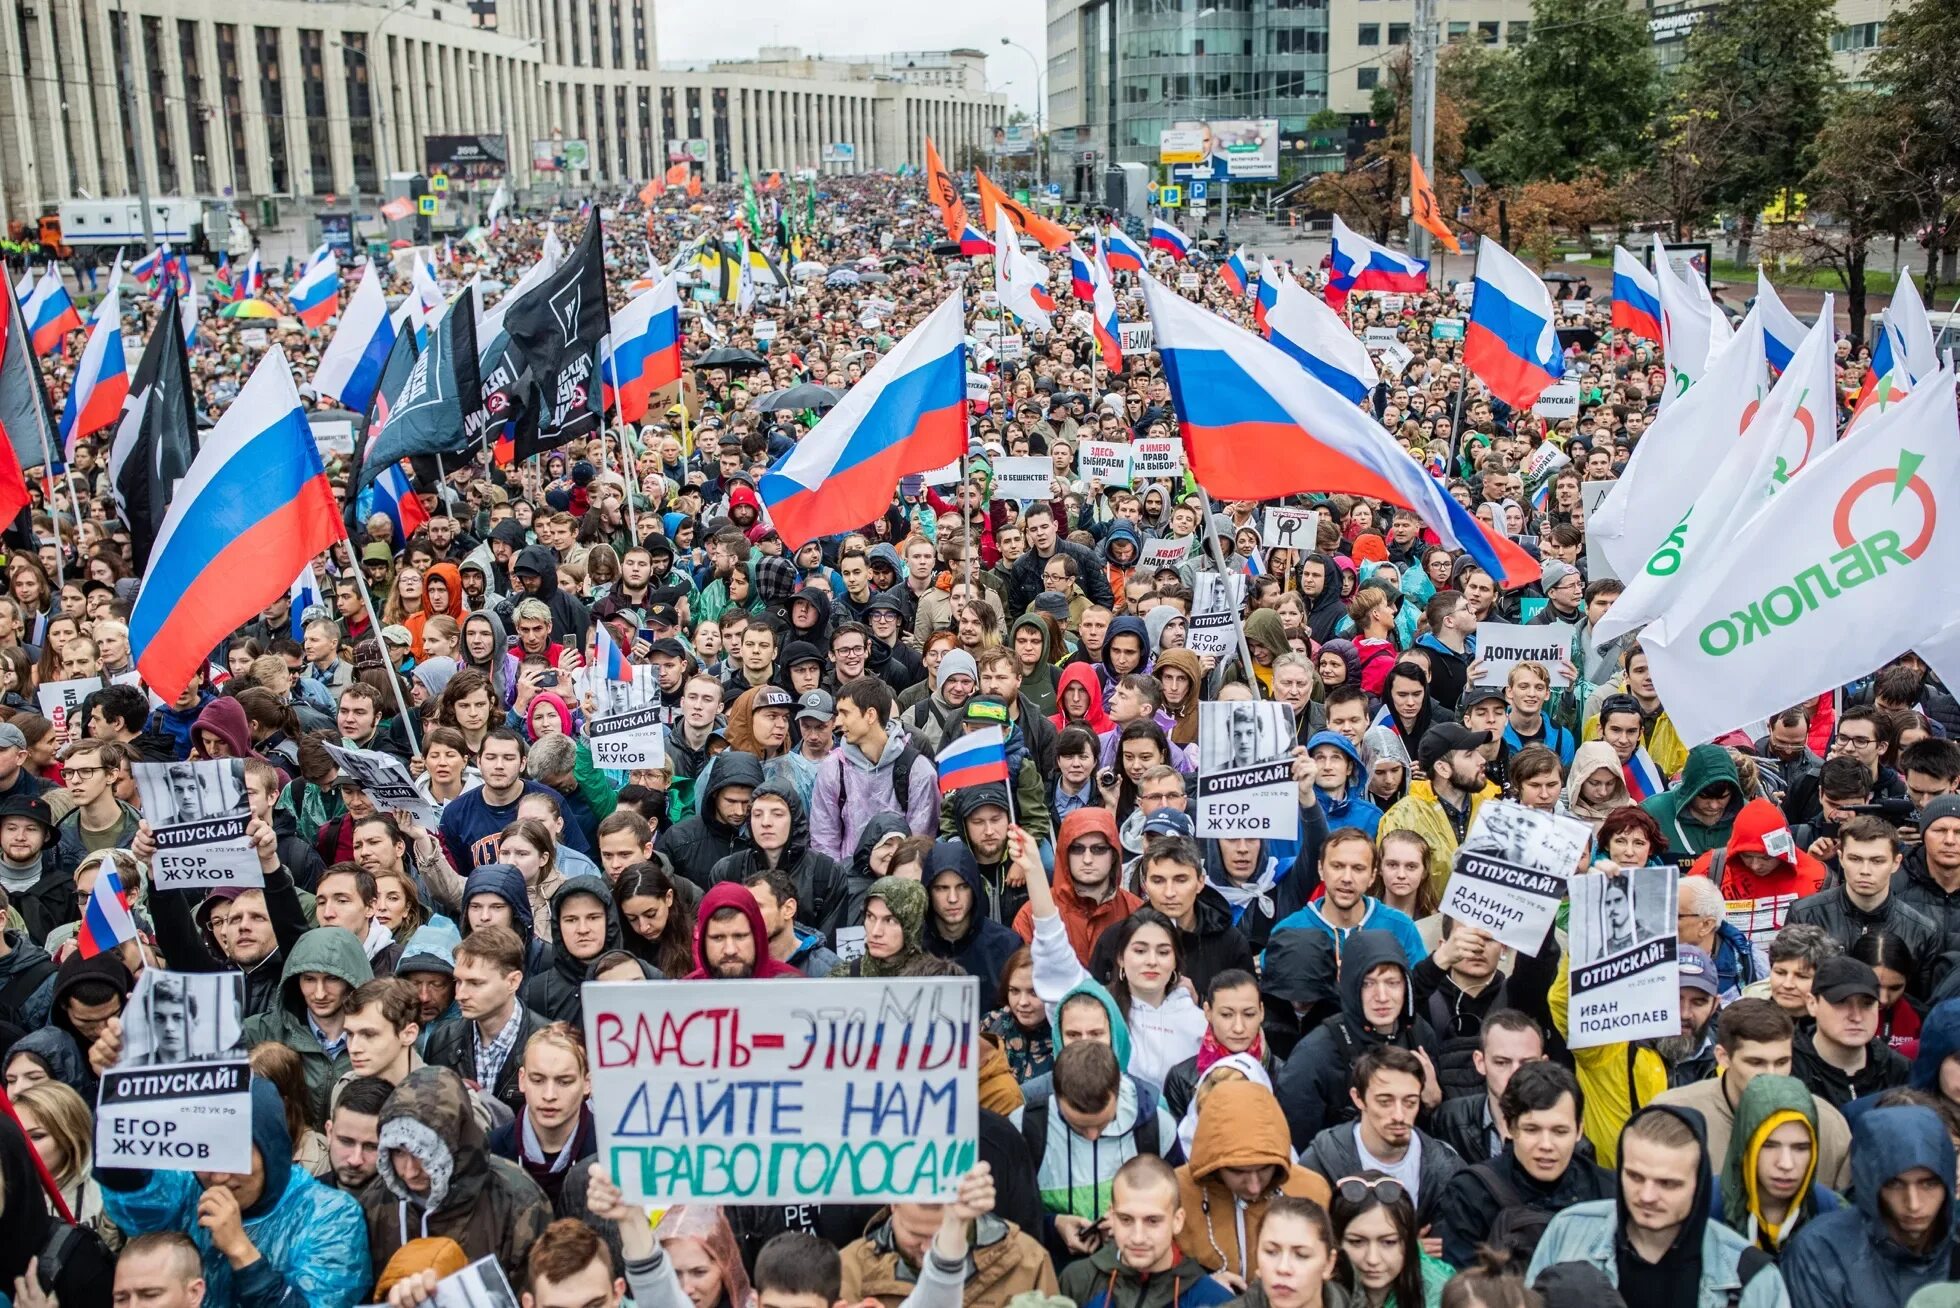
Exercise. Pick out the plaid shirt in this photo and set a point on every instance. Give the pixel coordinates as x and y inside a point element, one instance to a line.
<point>490,1058</point>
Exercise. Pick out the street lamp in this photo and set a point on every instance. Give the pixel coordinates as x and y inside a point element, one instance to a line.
<point>1040,137</point>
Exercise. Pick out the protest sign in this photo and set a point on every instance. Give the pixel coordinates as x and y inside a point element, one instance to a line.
<point>254,338</point>
<point>946,476</point>
<point>1511,870</point>
<point>1542,463</point>
<point>1501,646</point>
<point>1157,457</point>
<point>1759,919</point>
<point>1245,770</point>
<point>1394,358</point>
<point>1446,329</point>
<point>739,1092</point>
<point>1592,494</point>
<point>59,700</point>
<point>1559,400</point>
<point>1010,348</point>
<point>1105,461</point>
<point>1023,478</point>
<point>1378,339</point>
<point>384,779</point>
<point>1625,975</point>
<point>976,387</point>
<point>1392,302</point>
<point>1216,597</point>
<point>1188,281</point>
<point>1573,308</point>
<point>765,332</point>
<point>198,811</point>
<point>180,1098</point>
<point>1134,337</point>
<point>482,1284</point>
<point>1166,553</point>
<point>1464,292</point>
<point>632,734</point>
<point>1289,529</point>
<point>990,299</point>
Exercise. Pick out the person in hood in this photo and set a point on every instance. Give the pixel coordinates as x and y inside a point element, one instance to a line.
<point>1079,699</point>
<point>894,928</point>
<point>1769,1184</point>
<point>535,573</point>
<point>1086,887</point>
<point>1074,1167</point>
<point>442,593</point>
<point>1761,858</point>
<point>1343,783</point>
<point>325,967</point>
<point>437,1177</point>
<point>731,940</point>
<point>222,731</point>
<point>1320,585</point>
<point>1595,784</point>
<point>1126,649</point>
<point>872,858</point>
<point>980,817</point>
<point>1171,873</point>
<point>584,927</point>
<point>713,832</point>
<point>1036,648</point>
<point>267,1238</point>
<point>956,924</point>
<point>778,832</point>
<point>1936,1065</point>
<point>1698,813</point>
<point>1241,1160</point>
<point>495,895</point>
<point>1377,1008</point>
<point>1896,1237</point>
<point>1389,766</point>
<point>1654,1239</point>
<point>1141,1264</point>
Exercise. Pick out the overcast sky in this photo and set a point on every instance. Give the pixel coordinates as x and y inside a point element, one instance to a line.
<point>733,29</point>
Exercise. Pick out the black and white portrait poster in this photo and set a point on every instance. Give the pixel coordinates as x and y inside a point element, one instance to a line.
<point>1510,872</point>
<point>197,810</point>
<point>384,779</point>
<point>1245,770</point>
<point>1625,978</point>
<point>480,1285</point>
<point>632,732</point>
<point>180,1097</point>
<point>1215,600</point>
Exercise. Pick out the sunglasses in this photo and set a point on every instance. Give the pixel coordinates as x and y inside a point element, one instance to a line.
<point>1094,849</point>
<point>1356,1189</point>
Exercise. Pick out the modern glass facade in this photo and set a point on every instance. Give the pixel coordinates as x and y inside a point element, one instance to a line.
<point>1180,60</point>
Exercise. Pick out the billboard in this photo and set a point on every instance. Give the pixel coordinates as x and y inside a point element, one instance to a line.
<point>557,156</point>
<point>692,150</point>
<point>467,156</point>
<point>1223,150</point>
<point>840,152</point>
<point>1012,139</point>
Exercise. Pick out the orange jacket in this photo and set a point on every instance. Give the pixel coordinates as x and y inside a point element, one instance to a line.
<point>1084,920</point>
<point>1758,822</point>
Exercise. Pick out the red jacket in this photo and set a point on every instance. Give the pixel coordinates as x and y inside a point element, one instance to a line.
<point>1758,823</point>
<point>1083,921</point>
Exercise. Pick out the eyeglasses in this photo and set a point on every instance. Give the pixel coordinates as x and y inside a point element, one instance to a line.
<point>82,774</point>
<point>1089,849</point>
<point>1356,1189</point>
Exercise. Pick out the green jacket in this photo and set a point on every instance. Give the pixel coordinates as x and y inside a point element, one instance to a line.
<point>1708,765</point>
<point>337,952</point>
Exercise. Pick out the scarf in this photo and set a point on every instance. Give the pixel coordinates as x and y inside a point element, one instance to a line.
<point>1210,1051</point>
<point>1255,891</point>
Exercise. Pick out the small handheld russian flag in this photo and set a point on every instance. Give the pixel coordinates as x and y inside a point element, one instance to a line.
<point>606,655</point>
<point>1233,270</point>
<point>977,757</point>
<point>107,921</point>
<point>1644,780</point>
<point>1168,238</point>
<point>304,594</point>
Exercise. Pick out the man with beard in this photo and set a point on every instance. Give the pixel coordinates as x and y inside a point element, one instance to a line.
<point>731,940</point>
<point>1441,807</point>
<point>1690,1056</point>
<point>353,1131</point>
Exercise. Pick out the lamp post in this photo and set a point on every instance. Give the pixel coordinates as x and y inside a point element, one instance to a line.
<point>1040,136</point>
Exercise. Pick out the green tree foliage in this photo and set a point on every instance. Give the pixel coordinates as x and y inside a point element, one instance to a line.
<point>1859,189</point>
<point>1581,97</point>
<point>1919,67</point>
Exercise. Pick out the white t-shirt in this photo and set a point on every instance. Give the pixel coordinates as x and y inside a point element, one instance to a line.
<point>1408,1170</point>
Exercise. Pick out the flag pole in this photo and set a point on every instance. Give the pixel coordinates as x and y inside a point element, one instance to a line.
<point>626,464</point>
<point>374,625</point>
<point>1238,610</point>
<point>1463,364</point>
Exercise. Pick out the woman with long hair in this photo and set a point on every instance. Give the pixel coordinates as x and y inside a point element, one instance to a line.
<point>468,706</point>
<point>28,582</point>
<point>1891,958</point>
<point>446,770</point>
<point>1021,1022</point>
<point>404,598</point>
<point>658,918</point>
<point>1296,1258</point>
<point>278,1064</point>
<point>701,1248</point>
<point>61,1127</point>
<point>17,679</point>
<point>57,630</point>
<point>1406,881</point>
<point>398,905</point>
<point>526,845</point>
<point>274,725</point>
<point>1381,1257</point>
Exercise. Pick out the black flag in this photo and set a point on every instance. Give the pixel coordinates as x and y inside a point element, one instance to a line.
<point>432,413</point>
<point>555,331</point>
<point>394,375</point>
<point>156,442</point>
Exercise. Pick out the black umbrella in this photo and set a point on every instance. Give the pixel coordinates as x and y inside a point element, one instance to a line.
<point>807,396</point>
<point>946,249</point>
<point>1559,275</point>
<point>891,261</point>
<point>728,356</point>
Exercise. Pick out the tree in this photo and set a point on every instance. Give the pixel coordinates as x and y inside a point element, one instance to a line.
<point>1858,190</point>
<point>1580,97</point>
<point>1759,73</point>
<point>1919,65</point>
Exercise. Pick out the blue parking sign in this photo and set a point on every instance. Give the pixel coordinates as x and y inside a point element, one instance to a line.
<point>1200,191</point>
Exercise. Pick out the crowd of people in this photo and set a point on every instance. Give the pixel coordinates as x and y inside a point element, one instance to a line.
<point>1265,1072</point>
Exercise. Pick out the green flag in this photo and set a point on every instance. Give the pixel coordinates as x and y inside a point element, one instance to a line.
<point>749,205</point>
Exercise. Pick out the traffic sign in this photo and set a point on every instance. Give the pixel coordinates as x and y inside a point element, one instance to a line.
<point>1200,191</point>
<point>439,182</point>
<point>1170,197</point>
<point>1054,190</point>
<point>1153,189</point>
<point>426,205</point>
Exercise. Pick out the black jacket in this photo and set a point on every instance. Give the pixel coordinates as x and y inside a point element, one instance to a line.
<point>1885,1069</point>
<point>1913,886</point>
<point>181,940</point>
<point>1335,1153</point>
<point>987,945</point>
<point>50,901</point>
<point>569,620</point>
<point>1300,988</point>
<point>1458,1018</point>
<point>554,994</point>
<point>1024,580</point>
<point>453,1045</point>
<point>1313,1085</point>
<point>821,894</point>
<point>1213,944</point>
<point>1468,1207</point>
<point>1844,922</point>
<point>703,840</point>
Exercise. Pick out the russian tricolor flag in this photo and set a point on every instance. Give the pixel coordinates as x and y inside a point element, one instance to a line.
<point>974,759</point>
<point>1313,335</point>
<point>145,269</point>
<point>106,921</point>
<point>1511,341</point>
<point>101,380</point>
<point>1268,296</point>
<point>394,497</point>
<point>1782,333</point>
<point>303,594</point>
<point>908,415</point>
<point>974,242</point>
<point>350,366</point>
<point>1643,779</point>
<point>646,348</point>
<point>115,284</point>
<point>1636,297</point>
<point>1120,252</point>
<point>1082,283</point>
<point>1166,237</point>
<point>1361,265</point>
<point>605,654</point>
<point>317,293</point>
<point>1257,426</point>
<point>254,507</point>
<point>1903,345</point>
<point>50,314</point>
<point>1234,272</point>
<point>1102,312</point>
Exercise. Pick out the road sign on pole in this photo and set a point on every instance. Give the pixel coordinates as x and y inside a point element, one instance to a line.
<point>1170,197</point>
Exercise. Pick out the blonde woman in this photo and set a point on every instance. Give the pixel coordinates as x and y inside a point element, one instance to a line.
<point>57,1122</point>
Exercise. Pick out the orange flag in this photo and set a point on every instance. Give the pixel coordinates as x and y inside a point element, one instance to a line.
<point>677,174</point>
<point>693,184</point>
<point>651,191</point>
<point>943,193</point>
<point>1424,209</point>
<point>1052,235</point>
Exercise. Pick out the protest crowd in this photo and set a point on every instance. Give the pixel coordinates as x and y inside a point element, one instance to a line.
<point>719,680</point>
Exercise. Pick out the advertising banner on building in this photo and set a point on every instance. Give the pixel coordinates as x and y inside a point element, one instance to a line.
<point>486,155</point>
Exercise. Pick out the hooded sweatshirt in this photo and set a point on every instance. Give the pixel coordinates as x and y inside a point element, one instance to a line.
<point>568,617</point>
<point>554,994</point>
<point>507,884</point>
<point>1767,1103</point>
<point>821,896</point>
<point>224,717</point>
<point>1183,715</point>
<point>1798,871</point>
<point>702,840</point>
<point>1083,920</point>
<point>1240,1125</point>
<point>1351,807</point>
<point>983,949</point>
<point>1038,683</point>
<point>735,895</point>
<point>336,952</point>
<point>1591,757</point>
<point>1097,718</point>
<point>1687,838</point>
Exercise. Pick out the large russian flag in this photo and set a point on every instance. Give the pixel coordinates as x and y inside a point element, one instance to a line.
<point>908,415</point>
<point>253,280</point>
<point>1361,265</point>
<point>974,242</point>
<point>1166,237</point>
<point>350,366</point>
<point>1082,285</point>
<point>1234,272</point>
<point>1316,338</point>
<point>316,294</point>
<point>254,508</point>
<point>1269,275</point>
<point>974,759</point>
<point>1636,297</point>
<point>1257,426</point>
<point>1511,342</point>
<point>50,314</point>
<point>101,384</point>
<point>646,348</point>
<point>1120,252</point>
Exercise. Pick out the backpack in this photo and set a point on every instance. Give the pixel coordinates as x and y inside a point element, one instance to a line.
<point>901,781</point>
<point>1518,1227</point>
<point>1034,1131</point>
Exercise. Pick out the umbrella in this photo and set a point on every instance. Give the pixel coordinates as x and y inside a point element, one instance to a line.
<point>875,278</point>
<point>809,268</point>
<point>868,261</point>
<point>729,356</point>
<point>1558,275</point>
<point>891,261</point>
<point>248,309</point>
<point>401,245</point>
<point>946,249</point>
<point>806,396</point>
<point>842,277</point>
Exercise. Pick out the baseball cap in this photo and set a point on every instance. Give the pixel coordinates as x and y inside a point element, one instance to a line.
<point>799,652</point>
<point>986,708</point>
<point>11,737</point>
<point>663,615</point>
<point>1447,738</point>
<point>396,634</point>
<point>668,646</point>
<point>886,601</point>
<point>1478,694</point>
<point>1168,822</point>
<point>1698,970</point>
<point>1838,978</point>
<point>772,697</point>
<point>816,706</point>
